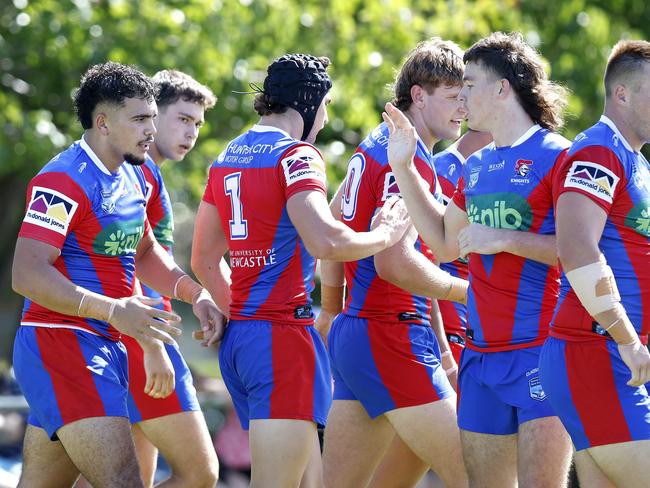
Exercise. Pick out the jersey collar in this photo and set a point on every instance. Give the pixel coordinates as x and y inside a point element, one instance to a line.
<point>527,135</point>
<point>268,128</point>
<point>93,157</point>
<point>453,149</point>
<point>609,123</point>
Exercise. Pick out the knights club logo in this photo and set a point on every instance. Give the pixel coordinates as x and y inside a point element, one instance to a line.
<point>522,167</point>
<point>592,178</point>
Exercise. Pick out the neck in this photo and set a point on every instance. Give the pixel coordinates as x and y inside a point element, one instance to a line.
<point>624,126</point>
<point>510,125</point>
<point>289,121</point>
<point>108,157</point>
<point>424,133</point>
<point>154,154</point>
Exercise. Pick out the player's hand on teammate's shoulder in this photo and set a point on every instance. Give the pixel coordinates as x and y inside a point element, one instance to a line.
<point>158,368</point>
<point>392,219</point>
<point>402,140</point>
<point>480,239</point>
<point>135,316</point>
<point>637,358</point>
<point>212,320</point>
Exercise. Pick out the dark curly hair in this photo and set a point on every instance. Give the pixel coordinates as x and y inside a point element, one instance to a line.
<point>430,64</point>
<point>508,56</point>
<point>172,85</point>
<point>109,83</point>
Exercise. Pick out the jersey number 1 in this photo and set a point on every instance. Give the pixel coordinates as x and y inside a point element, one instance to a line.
<point>238,226</point>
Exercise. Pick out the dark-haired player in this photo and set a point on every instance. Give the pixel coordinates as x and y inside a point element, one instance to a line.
<point>84,234</point>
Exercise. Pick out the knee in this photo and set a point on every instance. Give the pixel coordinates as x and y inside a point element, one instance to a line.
<point>204,476</point>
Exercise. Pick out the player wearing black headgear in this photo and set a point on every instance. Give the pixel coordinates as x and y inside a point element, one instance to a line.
<point>297,81</point>
<point>266,204</point>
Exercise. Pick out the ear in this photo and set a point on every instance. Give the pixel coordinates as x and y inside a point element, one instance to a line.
<point>101,123</point>
<point>503,88</point>
<point>417,95</point>
<point>620,95</point>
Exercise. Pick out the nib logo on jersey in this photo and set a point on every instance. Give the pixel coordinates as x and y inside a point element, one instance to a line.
<point>592,178</point>
<point>500,211</point>
<point>119,238</point>
<point>50,209</point>
<point>639,218</point>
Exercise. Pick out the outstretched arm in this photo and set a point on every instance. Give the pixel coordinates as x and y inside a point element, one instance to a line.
<point>438,228</point>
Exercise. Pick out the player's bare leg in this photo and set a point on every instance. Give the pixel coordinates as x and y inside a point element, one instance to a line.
<point>280,451</point>
<point>313,475</point>
<point>431,431</point>
<point>354,445</point>
<point>543,453</point>
<point>45,462</point>
<point>184,441</point>
<point>589,474</point>
<point>625,463</point>
<point>399,468</point>
<point>147,455</point>
<point>103,450</point>
<point>482,452</point>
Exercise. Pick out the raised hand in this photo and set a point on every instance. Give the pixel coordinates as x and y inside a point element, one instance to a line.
<point>402,140</point>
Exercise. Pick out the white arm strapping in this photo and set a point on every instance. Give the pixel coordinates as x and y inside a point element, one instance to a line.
<point>595,286</point>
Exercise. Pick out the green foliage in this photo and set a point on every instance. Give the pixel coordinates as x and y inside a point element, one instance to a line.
<point>46,45</point>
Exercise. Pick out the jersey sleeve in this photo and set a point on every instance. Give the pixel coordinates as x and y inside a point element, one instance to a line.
<point>593,171</point>
<point>208,197</point>
<point>302,168</point>
<point>459,194</point>
<point>55,206</point>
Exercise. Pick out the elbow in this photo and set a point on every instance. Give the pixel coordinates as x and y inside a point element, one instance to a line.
<point>387,272</point>
<point>322,249</point>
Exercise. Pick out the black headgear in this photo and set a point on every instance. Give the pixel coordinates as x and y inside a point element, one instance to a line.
<point>299,81</point>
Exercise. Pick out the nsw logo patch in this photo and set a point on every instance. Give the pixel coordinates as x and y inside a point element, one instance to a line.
<point>302,164</point>
<point>592,178</point>
<point>50,209</point>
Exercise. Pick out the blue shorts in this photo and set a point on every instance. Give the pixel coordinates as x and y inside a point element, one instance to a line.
<point>67,375</point>
<point>499,391</point>
<point>144,407</point>
<point>586,383</point>
<point>277,371</point>
<point>386,365</point>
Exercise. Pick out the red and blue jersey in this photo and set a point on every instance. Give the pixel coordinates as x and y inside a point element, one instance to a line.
<point>96,219</point>
<point>511,299</point>
<point>448,165</point>
<point>250,183</point>
<point>369,182</point>
<point>602,166</point>
<point>161,219</point>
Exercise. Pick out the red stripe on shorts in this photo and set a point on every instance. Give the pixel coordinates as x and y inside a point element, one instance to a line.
<point>594,393</point>
<point>406,380</point>
<point>294,366</point>
<point>74,387</point>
